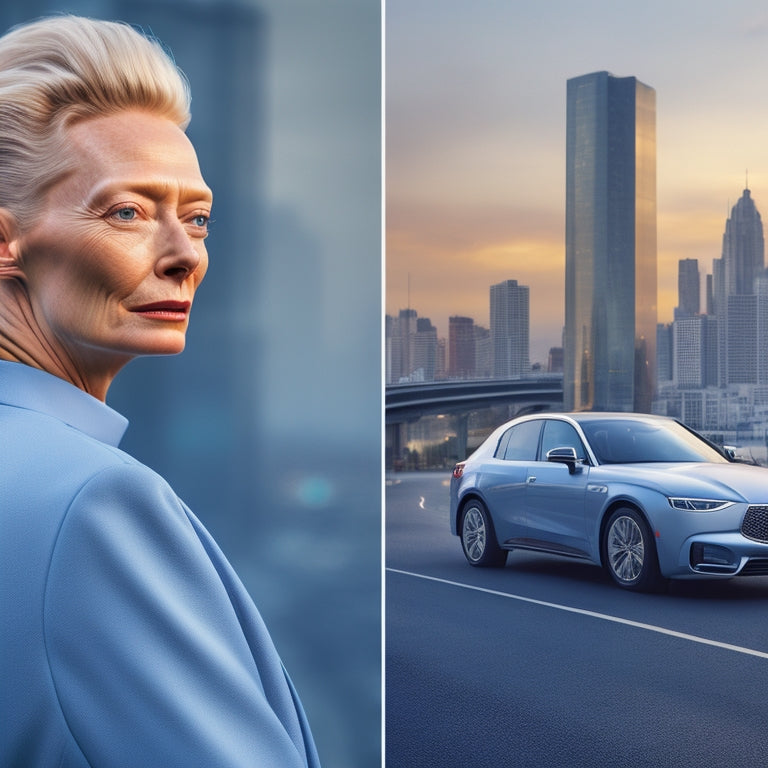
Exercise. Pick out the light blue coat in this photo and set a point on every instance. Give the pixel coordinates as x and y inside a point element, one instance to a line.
<point>126,639</point>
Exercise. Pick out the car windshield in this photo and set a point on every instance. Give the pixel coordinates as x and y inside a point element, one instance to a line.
<point>631,441</point>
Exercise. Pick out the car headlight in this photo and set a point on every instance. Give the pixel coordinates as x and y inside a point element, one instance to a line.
<point>698,505</point>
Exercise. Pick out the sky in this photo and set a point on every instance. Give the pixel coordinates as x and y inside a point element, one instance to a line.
<point>475,109</point>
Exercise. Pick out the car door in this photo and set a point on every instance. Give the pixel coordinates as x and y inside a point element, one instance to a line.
<point>504,481</point>
<point>555,496</point>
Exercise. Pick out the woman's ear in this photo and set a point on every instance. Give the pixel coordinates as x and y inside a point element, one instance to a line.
<point>10,265</point>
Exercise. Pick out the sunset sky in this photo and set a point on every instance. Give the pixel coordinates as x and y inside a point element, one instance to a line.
<point>475,99</point>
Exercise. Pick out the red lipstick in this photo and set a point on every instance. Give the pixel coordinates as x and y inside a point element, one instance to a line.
<point>173,311</point>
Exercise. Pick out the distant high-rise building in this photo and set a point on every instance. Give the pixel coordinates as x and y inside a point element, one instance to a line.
<point>664,356</point>
<point>555,360</point>
<point>735,288</point>
<point>424,351</point>
<point>483,353</point>
<point>743,247</point>
<point>710,294</point>
<point>610,272</point>
<point>720,311</point>
<point>688,288</point>
<point>510,331</point>
<point>411,348</point>
<point>461,347</point>
<point>741,339</point>
<point>761,289</point>
<point>441,367</point>
<point>694,352</point>
<point>398,347</point>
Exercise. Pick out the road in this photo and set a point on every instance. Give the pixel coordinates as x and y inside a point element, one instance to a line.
<point>546,663</point>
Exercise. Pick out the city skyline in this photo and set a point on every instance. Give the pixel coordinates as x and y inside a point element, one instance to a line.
<point>476,142</point>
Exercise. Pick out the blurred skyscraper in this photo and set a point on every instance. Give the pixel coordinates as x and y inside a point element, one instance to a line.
<point>461,347</point>
<point>411,348</point>
<point>425,349</point>
<point>510,329</point>
<point>483,352</point>
<point>610,269</point>
<point>664,352</point>
<point>743,260</point>
<point>743,247</point>
<point>695,352</point>
<point>688,288</point>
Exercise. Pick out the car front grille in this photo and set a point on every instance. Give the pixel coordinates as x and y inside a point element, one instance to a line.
<point>755,523</point>
<point>757,566</point>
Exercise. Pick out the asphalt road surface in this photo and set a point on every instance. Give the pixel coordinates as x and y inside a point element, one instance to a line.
<point>546,663</point>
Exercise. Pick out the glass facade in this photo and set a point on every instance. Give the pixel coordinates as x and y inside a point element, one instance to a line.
<point>610,284</point>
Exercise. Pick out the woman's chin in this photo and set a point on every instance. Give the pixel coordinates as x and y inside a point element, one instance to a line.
<point>166,343</point>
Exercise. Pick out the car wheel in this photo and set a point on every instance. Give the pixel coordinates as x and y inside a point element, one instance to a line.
<point>478,538</point>
<point>629,552</point>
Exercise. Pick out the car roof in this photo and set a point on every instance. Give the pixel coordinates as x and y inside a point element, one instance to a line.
<point>610,415</point>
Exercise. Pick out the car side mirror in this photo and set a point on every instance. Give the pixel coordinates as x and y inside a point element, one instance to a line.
<point>565,456</point>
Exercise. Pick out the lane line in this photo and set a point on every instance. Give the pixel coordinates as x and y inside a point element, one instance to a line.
<point>591,614</point>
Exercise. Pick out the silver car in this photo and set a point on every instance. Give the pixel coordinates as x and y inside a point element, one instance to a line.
<point>641,495</point>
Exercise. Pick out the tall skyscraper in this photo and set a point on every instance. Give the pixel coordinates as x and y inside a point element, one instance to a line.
<point>399,331</point>
<point>761,289</point>
<point>483,353</point>
<point>610,269</point>
<point>742,262</point>
<point>424,354</point>
<point>461,347</point>
<point>694,359</point>
<point>688,288</point>
<point>743,247</point>
<point>664,352</point>
<point>741,339</point>
<point>411,348</point>
<point>510,329</point>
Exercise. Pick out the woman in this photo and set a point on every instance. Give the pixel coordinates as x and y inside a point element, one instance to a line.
<point>127,639</point>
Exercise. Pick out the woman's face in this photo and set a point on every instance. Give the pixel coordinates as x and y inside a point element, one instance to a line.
<point>113,261</point>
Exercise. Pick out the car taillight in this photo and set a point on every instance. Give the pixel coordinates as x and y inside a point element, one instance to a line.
<point>458,470</point>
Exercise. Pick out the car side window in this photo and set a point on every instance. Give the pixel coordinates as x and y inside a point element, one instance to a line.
<point>561,434</point>
<point>520,443</point>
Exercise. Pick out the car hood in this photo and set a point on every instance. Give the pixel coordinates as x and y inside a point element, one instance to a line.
<point>732,482</point>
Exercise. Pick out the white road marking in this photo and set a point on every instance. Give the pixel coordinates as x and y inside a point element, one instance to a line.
<point>592,614</point>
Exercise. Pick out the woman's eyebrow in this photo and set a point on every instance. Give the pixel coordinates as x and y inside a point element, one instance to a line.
<point>155,189</point>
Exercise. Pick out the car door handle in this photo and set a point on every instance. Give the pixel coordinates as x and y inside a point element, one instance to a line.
<point>531,479</point>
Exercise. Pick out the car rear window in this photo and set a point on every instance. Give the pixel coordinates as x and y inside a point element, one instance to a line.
<point>520,442</point>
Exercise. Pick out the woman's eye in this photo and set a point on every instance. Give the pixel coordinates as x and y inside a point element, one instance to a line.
<point>200,220</point>
<point>126,214</point>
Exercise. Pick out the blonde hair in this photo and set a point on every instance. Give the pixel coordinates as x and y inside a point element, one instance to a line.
<point>62,69</point>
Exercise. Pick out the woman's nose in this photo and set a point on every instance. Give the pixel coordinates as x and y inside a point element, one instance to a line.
<point>180,254</point>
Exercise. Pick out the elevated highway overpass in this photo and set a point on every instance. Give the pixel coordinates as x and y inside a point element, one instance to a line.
<point>407,403</point>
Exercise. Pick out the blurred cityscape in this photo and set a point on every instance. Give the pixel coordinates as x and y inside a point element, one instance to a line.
<point>708,367</point>
<point>281,464</point>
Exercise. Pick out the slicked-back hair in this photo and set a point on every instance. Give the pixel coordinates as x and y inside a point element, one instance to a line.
<point>63,69</point>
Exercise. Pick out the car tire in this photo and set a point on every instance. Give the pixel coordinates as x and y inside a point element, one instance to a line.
<point>478,539</point>
<point>629,552</point>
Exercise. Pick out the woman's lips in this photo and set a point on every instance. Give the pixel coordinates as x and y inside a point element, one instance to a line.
<point>174,311</point>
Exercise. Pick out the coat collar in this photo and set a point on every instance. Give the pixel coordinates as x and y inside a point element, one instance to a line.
<point>22,386</point>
